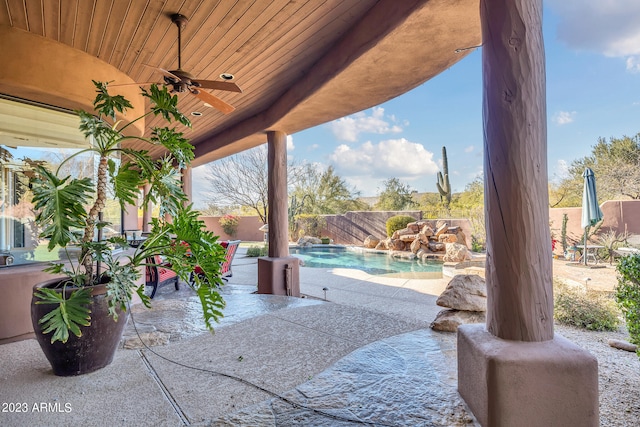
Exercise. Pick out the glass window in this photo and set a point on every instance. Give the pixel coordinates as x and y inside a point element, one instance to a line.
<point>37,133</point>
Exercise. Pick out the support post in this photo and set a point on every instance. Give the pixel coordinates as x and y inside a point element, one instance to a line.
<point>278,273</point>
<point>187,183</point>
<point>515,372</point>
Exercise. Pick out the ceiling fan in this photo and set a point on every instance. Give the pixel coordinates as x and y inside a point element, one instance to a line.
<point>182,81</point>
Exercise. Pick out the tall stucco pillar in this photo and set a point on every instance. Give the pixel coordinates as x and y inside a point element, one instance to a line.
<point>187,183</point>
<point>278,273</point>
<point>514,371</point>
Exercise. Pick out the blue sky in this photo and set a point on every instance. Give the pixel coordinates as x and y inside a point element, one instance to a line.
<point>593,90</point>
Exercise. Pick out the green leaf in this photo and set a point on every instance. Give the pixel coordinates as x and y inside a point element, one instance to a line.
<point>179,146</point>
<point>69,316</point>
<point>106,104</point>
<point>165,104</point>
<point>126,181</point>
<point>60,205</point>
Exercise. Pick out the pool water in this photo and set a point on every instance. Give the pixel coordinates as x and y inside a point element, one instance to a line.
<point>369,262</point>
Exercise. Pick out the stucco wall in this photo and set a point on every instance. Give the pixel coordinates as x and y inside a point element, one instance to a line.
<point>247,228</point>
<point>618,215</point>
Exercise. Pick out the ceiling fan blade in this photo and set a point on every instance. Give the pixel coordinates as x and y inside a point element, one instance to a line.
<point>163,71</point>
<point>218,85</point>
<point>214,101</point>
<point>132,84</point>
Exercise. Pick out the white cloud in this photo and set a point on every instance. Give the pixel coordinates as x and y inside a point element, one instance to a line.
<point>633,64</point>
<point>560,171</point>
<point>609,27</point>
<point>350,127</point>
<point>313,147</point>
<point>390,158</point>
<point>564,117</point>
<point>469,149</point>
<point>290,145</point>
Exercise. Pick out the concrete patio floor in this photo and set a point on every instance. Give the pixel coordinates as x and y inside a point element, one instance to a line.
<point>364,356</point>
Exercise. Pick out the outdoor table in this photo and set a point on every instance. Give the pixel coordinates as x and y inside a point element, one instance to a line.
<point>591,251</point>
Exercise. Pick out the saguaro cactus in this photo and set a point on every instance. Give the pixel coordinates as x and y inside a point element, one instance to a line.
<point>443,180</point>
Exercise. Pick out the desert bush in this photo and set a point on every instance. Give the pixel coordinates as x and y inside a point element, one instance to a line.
<point>229,224</point>
<point>628,294</point>
<point>398,222</point>
<point>310,225</point>
<point>591,310</point>
<point>256,251</point>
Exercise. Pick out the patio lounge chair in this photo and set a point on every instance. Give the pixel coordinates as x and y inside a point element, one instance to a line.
<point>158,273</point>
<point>225,268</point>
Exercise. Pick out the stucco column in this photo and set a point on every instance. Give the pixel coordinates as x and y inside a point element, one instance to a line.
<point>187,183</point>
<point>278,273</point>
<point>278,218</point>
<point>514,371</point>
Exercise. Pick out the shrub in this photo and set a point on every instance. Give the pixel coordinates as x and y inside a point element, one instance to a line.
<point>628,294</point>
<point>590,310</point>
<point>398,222</point>
<point>229,224</point>
<point>310,225</point>
<point>256,251</point>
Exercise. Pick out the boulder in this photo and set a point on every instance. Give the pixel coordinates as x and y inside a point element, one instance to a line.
<point>408,238</point>
<point>383,245</point>
<point>414,227</point>
<point>436,247</point>
<point>462,238</point>
<point>442,229</point>
<point>456,252</point>
<point>427,231</point>
<point>371,242</point>
<point>465,292</point>
<point>395,245</point>
<point>448,238</point>
<point>415,246</point>
<point>449,320</point>
<point>308,241</point>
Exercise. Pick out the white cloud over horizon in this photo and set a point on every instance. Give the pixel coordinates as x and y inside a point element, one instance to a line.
<point>564,117</point>
<point>608,27</point>
<point>397,158</point>
<point>349,128</point>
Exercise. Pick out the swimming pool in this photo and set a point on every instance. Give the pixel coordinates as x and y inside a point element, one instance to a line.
<point>369,262</point>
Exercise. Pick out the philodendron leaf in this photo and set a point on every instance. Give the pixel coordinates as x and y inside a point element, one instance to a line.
<point>69,316</point>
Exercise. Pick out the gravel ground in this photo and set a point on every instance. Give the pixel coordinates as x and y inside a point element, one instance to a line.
<point>618,372</point>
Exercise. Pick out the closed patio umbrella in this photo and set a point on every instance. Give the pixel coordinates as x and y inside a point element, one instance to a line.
<point>591,212</point>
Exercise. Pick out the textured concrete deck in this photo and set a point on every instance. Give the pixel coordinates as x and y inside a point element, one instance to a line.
<point>366,356</point>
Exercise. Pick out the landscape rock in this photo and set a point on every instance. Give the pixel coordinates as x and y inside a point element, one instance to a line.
<point>462,238</point>
<point>416,246</point>
<point>442,230</point>
<point>465,292</point>
<point>371,242</point>
<point>396,245</point>
<point>448,238</point>
<point>456,252</point>
<point>449,320</point>
<point>151,339</point>
<point>414,227</point>
<point>623,345</point>
<point>383,245</point>
<point>437,247</point>
<point>308,241</point>
<point>408,238</point>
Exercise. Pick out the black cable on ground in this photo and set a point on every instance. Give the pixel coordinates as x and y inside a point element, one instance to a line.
<point>250,384</point>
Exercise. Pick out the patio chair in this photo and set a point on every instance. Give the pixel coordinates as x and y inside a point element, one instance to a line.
<point>231,247</point>
<point>158,273</point>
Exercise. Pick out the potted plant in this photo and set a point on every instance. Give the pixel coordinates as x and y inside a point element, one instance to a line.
<point>79,315</point>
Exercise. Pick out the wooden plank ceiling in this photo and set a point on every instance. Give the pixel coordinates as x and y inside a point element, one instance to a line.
<point>271,47</point>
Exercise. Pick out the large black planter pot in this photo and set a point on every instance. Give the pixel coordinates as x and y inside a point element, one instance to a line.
<point>94,349</point>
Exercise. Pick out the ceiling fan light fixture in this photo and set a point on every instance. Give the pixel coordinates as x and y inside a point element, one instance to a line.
<point>196,113</point>
<point>227,76</point>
